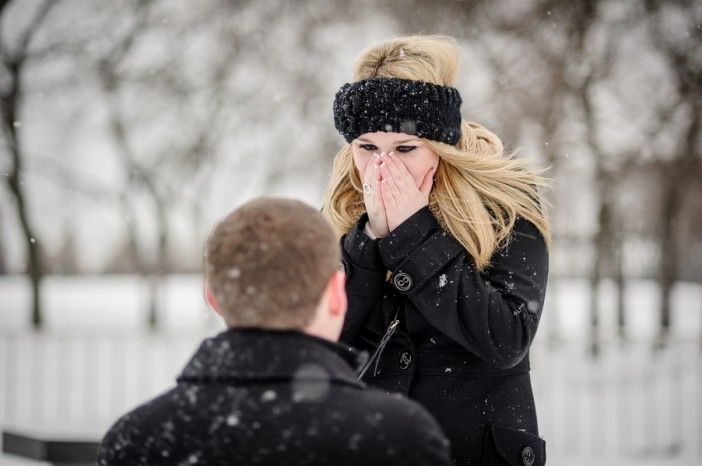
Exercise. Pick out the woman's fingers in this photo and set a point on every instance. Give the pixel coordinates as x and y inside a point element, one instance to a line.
<point>398,169</point>
<point>399,191</point>
<point>388,196</point>
<point>368,172</point>
<point>376,169</point>
<point>427,182</point>
<point>370,189</point>
<point>391,180</point>
<point>378,201</point>
<point>375,183</point>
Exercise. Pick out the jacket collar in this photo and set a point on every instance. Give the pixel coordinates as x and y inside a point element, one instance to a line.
<point>253,354</point>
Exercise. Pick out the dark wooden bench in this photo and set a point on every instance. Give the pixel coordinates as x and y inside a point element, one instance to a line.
<point>56,450</point>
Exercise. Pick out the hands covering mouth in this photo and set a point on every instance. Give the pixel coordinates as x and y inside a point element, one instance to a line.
<point>391,194</point>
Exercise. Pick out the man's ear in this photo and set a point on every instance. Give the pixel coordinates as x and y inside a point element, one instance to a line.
<point>210,299</point>
<point>337,294</point>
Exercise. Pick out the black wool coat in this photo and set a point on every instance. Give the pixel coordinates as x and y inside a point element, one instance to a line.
<point>257,397</point>
<point>461,348</point>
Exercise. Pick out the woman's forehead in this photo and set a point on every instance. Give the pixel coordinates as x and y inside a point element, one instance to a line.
<point>383,137</point>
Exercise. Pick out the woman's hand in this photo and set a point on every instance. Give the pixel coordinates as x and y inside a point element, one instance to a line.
<point>377,218</point>
<point>401,196</point>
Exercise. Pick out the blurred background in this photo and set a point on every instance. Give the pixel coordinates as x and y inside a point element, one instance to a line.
<point>130,127</point>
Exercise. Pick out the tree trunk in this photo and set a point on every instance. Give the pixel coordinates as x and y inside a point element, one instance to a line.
<point>620,282</point>
<point>35,267</point>
<point>10,102</point>
<point>3,261</point>
<point>161,260</point>
<point>594,305</point>
<point>602,252</point>
<point>668,265</point>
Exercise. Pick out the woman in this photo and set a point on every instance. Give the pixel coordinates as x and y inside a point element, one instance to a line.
<point>445,245</point>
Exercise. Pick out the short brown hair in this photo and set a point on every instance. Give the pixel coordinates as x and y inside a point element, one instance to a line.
<point>268,262</point>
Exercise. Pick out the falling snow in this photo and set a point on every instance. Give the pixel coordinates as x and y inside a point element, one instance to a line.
<point>269,395</point>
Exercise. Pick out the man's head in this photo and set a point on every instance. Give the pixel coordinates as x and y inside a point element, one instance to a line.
<point>274,263</point>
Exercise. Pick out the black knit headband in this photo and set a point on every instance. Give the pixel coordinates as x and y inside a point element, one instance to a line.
<point>398,105</point>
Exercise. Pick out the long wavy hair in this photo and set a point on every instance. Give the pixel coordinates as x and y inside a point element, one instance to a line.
<point>479,188</point>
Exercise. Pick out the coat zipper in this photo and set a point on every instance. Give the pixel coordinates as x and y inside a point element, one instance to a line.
<point>383,341</point>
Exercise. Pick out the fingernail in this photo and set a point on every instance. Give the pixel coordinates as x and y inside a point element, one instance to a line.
<point>390,154</point>
<point>376,155</point>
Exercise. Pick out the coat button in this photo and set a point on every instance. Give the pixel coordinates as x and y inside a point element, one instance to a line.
<point>405,360</point>
<point>402,281</point>
<point>528,456</point>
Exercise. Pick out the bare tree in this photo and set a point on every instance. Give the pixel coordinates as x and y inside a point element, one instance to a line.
<point>14,59</point>
<point>582,19</point>
<point>679,168</point>
<point>162,174</point>
<point>577,66</point>
<point>3,261</point>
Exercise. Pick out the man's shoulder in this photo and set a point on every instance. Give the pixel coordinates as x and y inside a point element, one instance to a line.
<point>151,410</point>
<point>127,434</point>
<point>385,425</point>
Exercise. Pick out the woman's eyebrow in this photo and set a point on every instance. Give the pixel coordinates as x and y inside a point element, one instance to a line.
<point>407,140</point>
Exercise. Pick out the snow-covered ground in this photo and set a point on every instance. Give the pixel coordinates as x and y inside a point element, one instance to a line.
<point>120,302</point>
<point>634,405</point>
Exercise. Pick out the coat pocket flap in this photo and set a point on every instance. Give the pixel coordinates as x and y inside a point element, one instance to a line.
<point>518,447</point>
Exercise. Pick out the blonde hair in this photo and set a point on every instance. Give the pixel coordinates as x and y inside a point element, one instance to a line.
<point>479,189</point>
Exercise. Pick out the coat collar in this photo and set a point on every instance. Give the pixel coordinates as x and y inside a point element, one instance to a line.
<point>252,354</point>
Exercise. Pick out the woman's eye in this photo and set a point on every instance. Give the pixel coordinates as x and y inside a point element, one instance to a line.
<point>406,148</point>
<point>368,147</point>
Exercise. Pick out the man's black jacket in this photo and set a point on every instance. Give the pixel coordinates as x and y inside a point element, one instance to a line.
<point>252,396</point>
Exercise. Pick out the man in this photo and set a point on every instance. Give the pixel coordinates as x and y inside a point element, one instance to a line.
<point>275,388</point>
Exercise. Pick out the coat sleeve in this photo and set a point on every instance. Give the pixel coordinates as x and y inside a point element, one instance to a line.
<point>494,314</point>
<point>365,277</point>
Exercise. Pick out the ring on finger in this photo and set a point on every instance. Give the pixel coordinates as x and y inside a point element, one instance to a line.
<point>367,188</point>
